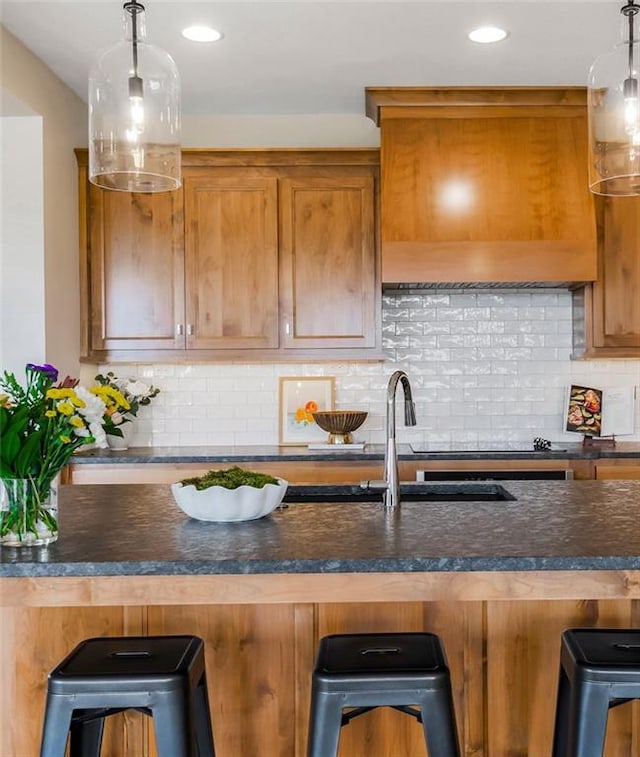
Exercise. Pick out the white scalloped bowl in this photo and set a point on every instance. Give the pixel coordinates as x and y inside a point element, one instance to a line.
<point>221,505</point>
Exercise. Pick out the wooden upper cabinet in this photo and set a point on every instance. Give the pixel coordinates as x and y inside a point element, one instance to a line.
<point>484,185</point>
<point>612,304</point>
<point>231,255</point>
<point>327,259</point>
<point>135,270</point>
<point>263,254</point>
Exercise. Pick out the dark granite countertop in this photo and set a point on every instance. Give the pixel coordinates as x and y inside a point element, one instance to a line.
<point>559,451</point>
<point>138,530</point>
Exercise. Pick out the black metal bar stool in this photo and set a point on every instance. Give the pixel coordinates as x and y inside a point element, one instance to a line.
<point>162,676</point>
<point>365,671</point>
<point>599,669</point>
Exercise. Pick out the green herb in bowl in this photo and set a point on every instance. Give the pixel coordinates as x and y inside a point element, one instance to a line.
<point>231,478</point>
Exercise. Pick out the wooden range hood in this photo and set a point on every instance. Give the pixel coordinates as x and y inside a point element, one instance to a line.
<point>484,185</point>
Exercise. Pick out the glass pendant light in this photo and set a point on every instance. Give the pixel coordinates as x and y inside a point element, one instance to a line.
<point>134,113</point>
<point>614,114</point>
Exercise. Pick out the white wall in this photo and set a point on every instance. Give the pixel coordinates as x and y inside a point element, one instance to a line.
<point>26,80</point>
<point>22,311</point>
<point>486,366</point>
<point>319,130</point>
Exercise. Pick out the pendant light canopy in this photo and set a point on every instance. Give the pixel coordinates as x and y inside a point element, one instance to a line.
<point>134,113</point>
<point>614,113</point>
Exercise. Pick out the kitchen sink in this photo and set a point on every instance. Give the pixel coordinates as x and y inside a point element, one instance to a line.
<point>409,492</point>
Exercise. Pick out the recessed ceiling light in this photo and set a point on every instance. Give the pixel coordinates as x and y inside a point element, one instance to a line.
<point>487,34</point>
<point>201,34</point>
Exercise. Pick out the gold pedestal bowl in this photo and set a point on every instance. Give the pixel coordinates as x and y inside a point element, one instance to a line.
<point>340,423</point>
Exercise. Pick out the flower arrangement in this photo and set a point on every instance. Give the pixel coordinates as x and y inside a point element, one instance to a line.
<point>41,425</point>
<point>123,398</point>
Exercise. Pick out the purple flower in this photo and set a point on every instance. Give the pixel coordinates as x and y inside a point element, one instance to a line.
<point>47,369</point>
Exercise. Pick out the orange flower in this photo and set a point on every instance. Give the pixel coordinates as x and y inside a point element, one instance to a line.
<point>300,414</point>
<point>311,407</point>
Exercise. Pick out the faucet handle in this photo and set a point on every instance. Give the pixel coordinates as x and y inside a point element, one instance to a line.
<point>381,485</point>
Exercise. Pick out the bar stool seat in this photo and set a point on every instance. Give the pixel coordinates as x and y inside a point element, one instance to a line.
<point>162,676</point>
<point>365,671</point>
<point>599,669</point>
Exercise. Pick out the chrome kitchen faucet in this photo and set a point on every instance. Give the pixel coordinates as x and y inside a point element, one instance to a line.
<point>391,482</point>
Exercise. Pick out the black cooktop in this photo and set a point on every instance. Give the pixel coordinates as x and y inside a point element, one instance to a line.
<point>503,448</point>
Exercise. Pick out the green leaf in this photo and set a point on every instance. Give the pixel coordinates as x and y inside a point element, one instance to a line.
<point>6,471</point>
<point>18,420</point>
<point>9,447</point>
<point>30,453</point>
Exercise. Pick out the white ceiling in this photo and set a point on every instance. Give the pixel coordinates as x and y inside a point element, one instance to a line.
<point>317,57</point>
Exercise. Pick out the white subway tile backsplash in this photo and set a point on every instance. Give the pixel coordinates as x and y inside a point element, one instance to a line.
<point>421,315</point>
<point>485,366</point>
<point>397,314</point>
<point>409,328</point>
<point>433,327</point>
<point>436,300</point>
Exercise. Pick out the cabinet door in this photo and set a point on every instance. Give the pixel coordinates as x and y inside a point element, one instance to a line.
<point>136,270</point>
<point>616,303</point>
<point>231,244</point>
<point>328,274</point>
<point>617,470</point>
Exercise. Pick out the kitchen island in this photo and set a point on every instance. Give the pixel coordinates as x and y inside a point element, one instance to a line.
<point>497,580</point>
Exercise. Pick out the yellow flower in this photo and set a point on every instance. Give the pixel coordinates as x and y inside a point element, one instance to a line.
<point>66,408</point>
<point>50,413</point>
<point>65,439</point>
<point>77,402</point>
<point>60,394</point>
<point>111,397</point>
<point>77,421</point>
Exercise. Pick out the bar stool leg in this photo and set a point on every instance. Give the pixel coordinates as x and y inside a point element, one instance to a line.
<point>86,738</point>
<point>204,729</point>
<point>439,724</point>
<point>588,710</point>
<point>56,726</point>
<point>561,728</point>
<point>324,728</point>
<point>172,725</point>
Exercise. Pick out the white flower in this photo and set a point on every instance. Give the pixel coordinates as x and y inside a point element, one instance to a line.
<point>136,389</point>
<point>99,434</point>
<point>93,410</point>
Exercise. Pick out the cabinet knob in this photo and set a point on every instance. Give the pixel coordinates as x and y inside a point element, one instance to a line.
<point>179,329</point>
<point>190,329</point>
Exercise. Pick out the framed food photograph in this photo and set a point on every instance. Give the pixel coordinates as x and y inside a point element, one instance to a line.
<point>584,413</point>
<point>300,397</point>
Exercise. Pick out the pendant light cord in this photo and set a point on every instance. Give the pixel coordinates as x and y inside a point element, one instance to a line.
<point>134,8</point>
<point>629,10</point>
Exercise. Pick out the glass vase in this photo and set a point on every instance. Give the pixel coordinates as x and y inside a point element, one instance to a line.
<point>28,513</point>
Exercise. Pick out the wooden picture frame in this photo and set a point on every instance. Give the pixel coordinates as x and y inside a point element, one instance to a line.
<point>299,396</point>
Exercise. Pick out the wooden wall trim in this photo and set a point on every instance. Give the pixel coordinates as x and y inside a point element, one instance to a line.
<point>379,98</point>
<point>292,156</point>
<point>73,591</point>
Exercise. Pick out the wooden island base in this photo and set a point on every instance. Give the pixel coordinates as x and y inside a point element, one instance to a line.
<point>501,632</point>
